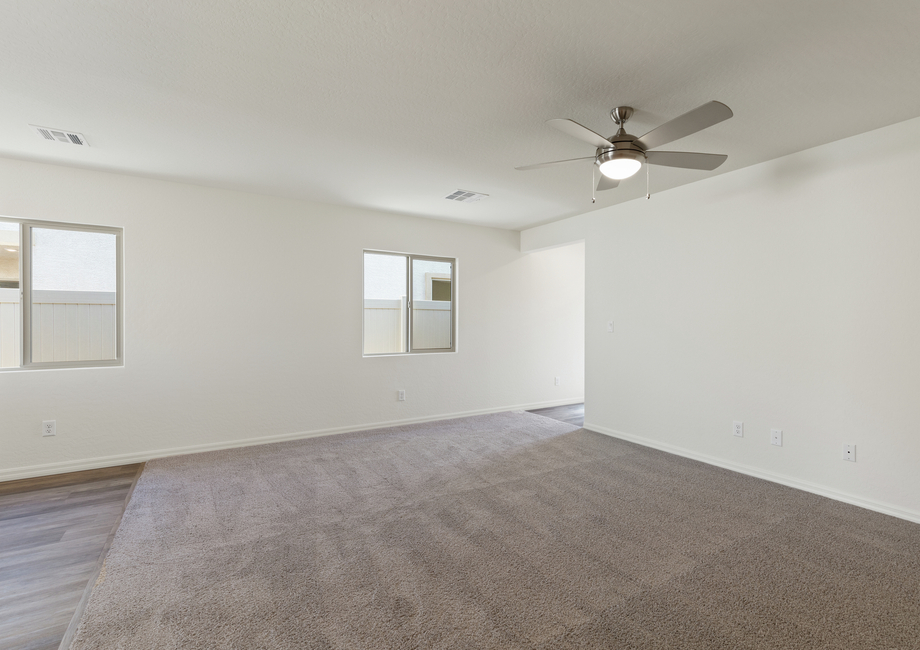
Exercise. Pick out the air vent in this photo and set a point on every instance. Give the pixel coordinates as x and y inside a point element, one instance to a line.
<point>466,196</point>
<point>59,135</point>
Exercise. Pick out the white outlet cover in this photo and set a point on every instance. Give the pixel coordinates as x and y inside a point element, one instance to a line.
<point>401,396</point>
<point>610,326</point>
<point>849,453</point>
<point>738,428</point>
<point>49,428</point>
<point>776,437</point>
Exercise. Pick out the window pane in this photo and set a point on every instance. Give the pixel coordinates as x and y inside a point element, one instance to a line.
<point>10,320</point>
<point>73,295</point>
<point>431,304</point>
<point>385,304</point>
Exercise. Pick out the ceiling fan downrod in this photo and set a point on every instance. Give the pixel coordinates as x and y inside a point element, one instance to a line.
<point>620,115</point>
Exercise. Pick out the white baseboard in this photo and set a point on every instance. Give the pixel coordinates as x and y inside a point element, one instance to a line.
<point>49,469</point>
<point>805,486</point>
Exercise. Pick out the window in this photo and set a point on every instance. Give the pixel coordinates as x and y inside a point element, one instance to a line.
<point>410,303</point>
<point>60,295</point>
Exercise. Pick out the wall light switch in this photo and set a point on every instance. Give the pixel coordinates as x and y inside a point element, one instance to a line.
<point>776,437</point>
<point>610,326</point>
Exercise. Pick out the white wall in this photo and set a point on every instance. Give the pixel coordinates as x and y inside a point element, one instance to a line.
<point>785,295</point>
<point>219,353</point>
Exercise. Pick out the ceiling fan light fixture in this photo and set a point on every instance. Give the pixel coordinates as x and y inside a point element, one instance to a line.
<point>620,164</point>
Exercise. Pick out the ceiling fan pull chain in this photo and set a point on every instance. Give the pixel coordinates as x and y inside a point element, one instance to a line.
<point>648,193</point>
<point>593,197</point>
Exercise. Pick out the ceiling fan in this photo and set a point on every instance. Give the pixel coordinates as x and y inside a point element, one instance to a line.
<point>621,155</point>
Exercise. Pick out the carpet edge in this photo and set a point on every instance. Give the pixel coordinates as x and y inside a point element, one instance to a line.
<point>77,617</point>
<point>805,486</point>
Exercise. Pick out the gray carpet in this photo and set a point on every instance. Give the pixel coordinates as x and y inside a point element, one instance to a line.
<point>500,531</point>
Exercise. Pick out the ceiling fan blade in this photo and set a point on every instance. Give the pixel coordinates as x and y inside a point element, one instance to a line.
<point>606,183</point>
<point>686,159</point>
<point>583,133</point>
<point>550,164</point>
<point>699,118</point>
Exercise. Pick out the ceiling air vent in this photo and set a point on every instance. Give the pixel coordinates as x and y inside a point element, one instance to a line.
<point>59,135</point>
<point>466,196</point>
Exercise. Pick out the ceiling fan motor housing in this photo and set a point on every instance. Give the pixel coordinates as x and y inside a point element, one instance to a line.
<point>623,149</point>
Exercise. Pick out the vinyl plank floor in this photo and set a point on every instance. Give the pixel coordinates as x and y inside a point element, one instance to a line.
<point>52,533</point>
<point>571,413</point>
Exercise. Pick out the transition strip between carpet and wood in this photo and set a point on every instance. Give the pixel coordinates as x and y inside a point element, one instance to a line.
<point>97,571</point>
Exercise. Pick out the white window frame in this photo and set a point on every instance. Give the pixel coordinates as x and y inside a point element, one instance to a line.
<point>452,276</point>
<point>25,294</point>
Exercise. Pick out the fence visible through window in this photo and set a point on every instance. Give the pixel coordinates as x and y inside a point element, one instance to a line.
<point>409,303</point>
<point>68,278</point>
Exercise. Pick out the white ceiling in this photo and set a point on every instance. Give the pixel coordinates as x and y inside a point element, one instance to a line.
<point>394,104</point>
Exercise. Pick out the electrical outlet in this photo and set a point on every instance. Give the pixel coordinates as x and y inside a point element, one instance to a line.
<point>559,381</point>
<point>610,326</point>
<point>401,396</point>
<point>49,428</point>
<point>776,437</point>
<point>849,453</point>
<point>738,428</point>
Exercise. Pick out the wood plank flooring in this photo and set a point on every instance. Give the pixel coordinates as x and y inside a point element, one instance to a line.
<point>53,531</point>
<point>571,413</point>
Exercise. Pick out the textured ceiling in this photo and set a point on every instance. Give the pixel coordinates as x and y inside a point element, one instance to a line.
<point>394,104</point>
